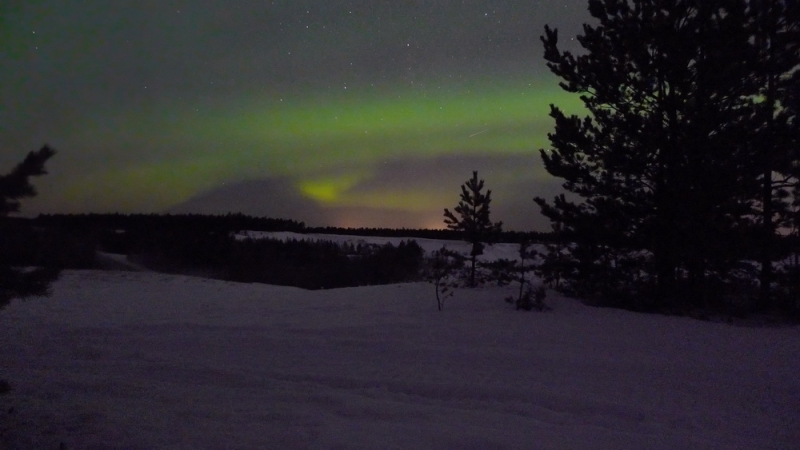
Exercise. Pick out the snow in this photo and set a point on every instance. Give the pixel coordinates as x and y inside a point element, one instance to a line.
<point>141,360</point>
<point>115,261</point>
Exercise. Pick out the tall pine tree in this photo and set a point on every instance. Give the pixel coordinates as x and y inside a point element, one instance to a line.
<point>658,166</point>
<point>473,219</point>
<point>775,29</point>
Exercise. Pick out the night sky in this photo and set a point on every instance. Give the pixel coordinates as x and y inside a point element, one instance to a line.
<point>345,113</point>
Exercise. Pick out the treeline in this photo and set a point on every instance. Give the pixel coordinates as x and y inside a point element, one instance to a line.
<point>295,262</point>
<point>513,237</point>
<point>122,233</point>
<point>205,245</point>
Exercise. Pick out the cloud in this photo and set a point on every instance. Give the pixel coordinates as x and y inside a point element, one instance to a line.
<point>280,198</point>
<point>270,197</point>
<point>399,193</point>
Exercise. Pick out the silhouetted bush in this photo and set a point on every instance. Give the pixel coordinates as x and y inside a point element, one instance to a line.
<point>321,264</point>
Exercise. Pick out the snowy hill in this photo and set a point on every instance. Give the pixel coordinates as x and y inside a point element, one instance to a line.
<point>141,360</point>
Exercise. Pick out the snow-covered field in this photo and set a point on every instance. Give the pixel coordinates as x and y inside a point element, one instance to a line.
<point>140,360</point>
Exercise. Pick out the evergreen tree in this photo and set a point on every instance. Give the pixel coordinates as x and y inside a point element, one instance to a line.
<point>775,27</point>
<point>440,269</point>
<point>473,219</point>
<point>659,164</point>
<point>506,271</point>
<point>16,282</point>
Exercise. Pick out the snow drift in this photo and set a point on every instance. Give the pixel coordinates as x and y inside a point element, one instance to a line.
<point>140,360</point>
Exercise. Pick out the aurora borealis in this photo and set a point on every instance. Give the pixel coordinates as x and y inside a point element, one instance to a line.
<point>347,113</point>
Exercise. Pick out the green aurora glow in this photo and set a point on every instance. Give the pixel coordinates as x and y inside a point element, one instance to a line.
<point>334,112</point>
<point>325,143</point>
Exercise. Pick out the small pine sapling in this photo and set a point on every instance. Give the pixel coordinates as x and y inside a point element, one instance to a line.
<point>528,297</point>
<point>501,272</point>
<point>471,217</point>
<point>440,270</point>
<point>532,298</point>
<point>556,261</point>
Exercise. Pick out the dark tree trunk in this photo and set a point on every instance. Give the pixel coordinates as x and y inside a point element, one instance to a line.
<point>767,224</point>
<point>472,270</point>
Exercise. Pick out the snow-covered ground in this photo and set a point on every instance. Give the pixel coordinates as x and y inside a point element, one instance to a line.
<point>140,360</point>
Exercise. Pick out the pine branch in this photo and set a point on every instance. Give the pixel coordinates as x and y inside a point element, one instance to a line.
<point>16,185</point>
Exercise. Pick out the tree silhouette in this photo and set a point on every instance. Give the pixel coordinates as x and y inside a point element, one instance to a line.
<point>473,219</point>
<point>440,268</point>
<point>661,165</point>
<point>775,27</point>
<point>16,282</point>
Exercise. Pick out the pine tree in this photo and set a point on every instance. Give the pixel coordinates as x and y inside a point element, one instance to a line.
<point>473,219</point>
<point>775,27</point>
<point>516,271</point>
<point>16,282</point>
<point>440,269</point>
<point>659,165</point>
